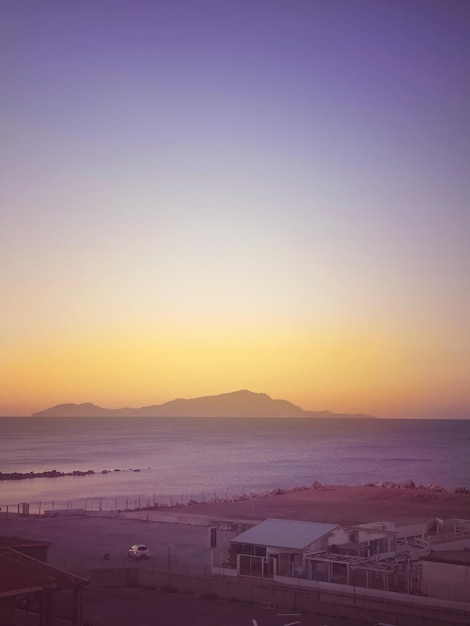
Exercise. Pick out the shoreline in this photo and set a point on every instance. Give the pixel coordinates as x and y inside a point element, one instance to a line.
<point>399,502</point>
<point>384,484</point>
<point>339,504</point>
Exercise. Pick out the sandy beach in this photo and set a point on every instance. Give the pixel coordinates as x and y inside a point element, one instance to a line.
<point>340,504</point>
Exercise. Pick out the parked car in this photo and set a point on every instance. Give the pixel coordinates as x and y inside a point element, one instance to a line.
<point>139,551</point>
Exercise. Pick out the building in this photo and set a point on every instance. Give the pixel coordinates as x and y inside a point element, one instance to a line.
<point>29,586</point>
<point>315,551</point>
<point>278,546</point>
<point>376,540</point>
<point>30,547</point>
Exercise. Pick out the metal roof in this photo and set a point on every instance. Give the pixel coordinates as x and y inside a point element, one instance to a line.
<point>20,573</point>
<point>18,542</point>
<point>283,533</point>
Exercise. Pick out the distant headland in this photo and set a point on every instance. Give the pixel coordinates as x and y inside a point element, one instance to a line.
<point>235,404</point>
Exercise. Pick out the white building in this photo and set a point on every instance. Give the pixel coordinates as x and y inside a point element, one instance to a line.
<point>278,546</point>
<point>293,548</point>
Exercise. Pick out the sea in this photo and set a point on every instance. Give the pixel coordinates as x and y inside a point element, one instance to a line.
<point>138,462</point>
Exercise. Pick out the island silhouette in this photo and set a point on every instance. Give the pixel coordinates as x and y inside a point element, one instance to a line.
<point>241,403</point>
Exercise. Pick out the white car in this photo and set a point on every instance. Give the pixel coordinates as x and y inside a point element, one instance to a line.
<point>139,551</point>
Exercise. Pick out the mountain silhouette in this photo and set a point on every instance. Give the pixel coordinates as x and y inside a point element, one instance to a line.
<point>235,404</point>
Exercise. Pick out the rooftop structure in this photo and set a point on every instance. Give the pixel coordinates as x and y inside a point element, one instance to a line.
<point>35,583</point>
<point>287,534</point>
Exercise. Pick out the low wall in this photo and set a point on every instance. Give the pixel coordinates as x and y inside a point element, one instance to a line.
<point>115,577</point>
<point>447,581</point>
<point>321,598</point>
<point>64,513</point>
<point>411,530</point>
<point>167,518</point>
<point>459,544</point>
<point>176,516</point>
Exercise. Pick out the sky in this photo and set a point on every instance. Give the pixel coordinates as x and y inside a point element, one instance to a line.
<point>199,197</point>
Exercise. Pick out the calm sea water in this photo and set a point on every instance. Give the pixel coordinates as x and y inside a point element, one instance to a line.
<point>201,458</point>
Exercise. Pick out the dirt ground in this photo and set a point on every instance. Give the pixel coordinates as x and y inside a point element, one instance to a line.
<point>343,504</point>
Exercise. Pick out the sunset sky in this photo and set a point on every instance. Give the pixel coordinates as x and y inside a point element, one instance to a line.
<point>201,196</point>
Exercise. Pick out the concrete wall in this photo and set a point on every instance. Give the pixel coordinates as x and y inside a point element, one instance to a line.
<point>410,531</point>
<point>64,513</point>
<point>7,611</point>
<point>323,599</point>
<point>446,580</point>
<point>460,544</point>
<point>115,577</point>
<point>182,516</point>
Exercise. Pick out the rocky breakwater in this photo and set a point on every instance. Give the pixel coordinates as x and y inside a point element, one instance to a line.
<point>47,474</point>
<point>54,474</point>
<point>409,484</point>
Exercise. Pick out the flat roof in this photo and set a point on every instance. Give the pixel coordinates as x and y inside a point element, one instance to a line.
<point>282,533</point>
<point>23,574</point>
<point>18,542</point>
<point>455,557</point>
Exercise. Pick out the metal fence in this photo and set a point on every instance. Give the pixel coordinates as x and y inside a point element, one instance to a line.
<point>125,503</point>
<point>84,566</point>
<point>122,503</point>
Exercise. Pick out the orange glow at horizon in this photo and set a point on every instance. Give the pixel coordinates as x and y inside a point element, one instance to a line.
<point>362,373</point>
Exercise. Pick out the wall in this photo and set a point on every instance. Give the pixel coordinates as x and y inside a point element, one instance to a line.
<point>322,599</point>
<point>411,531</point>
<point>448,581</point>
<point>459,544</point>
<point>7,611</point>
<point>342,535</point>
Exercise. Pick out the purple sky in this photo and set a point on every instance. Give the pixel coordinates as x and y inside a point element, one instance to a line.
<point>290,178</point>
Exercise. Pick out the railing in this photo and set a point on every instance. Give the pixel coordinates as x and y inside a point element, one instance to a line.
<point>444,537</point>
<point>449,536</point>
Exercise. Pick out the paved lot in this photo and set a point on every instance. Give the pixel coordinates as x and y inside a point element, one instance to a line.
<point>146,607</point>
<point>79,545</point>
